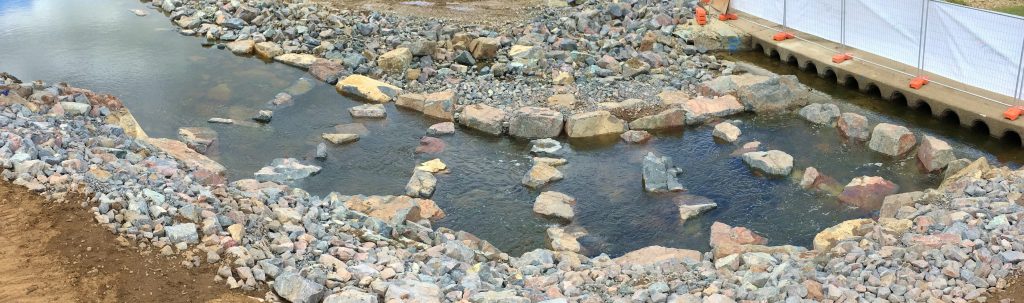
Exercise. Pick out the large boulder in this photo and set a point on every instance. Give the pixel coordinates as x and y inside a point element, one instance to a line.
<point>529,56</point>
<point>934,154</point>
<point>659,174</point>
<point>324,69</point>
<point>828,238</point>
<point>395,210</point>
<point>892,204</point>
<point>421,184</point>
<point>411,101</point>
<point>241,47</point>
<point>200,139</point>
<point>656,254</point>
<point>367,89</point>
<point>772,162</point>
<point>285,170</point>
<point>484,118</point>
<point>964,177</point>
<point>182,233</point>
<point>439,105</point>
<point>669,118</point>
<point>205,170</point>
<point>412,291</point>
<point>727,132</point>
<point>691,206</point>
<point>395,61</point>
<point>484,47</point>
<point>535,123</point>
<point>562,240</point>
<point>892,140</point>
<point>854,126</point>
<point>592,124</point>
<point>541,174</point>
<point>702,109</point>
<point>772,93</point>
<point>820,113</point>
<point>867,192</point>
<point>296,289</point>
<point>554,204</point>
<point>268,50</point>
<point>726,240</point>
<point>297,60</point>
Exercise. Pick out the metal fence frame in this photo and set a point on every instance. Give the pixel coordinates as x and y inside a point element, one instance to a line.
<point>1018,91</point>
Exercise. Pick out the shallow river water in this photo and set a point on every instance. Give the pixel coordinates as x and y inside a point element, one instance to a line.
<point>170,81</point>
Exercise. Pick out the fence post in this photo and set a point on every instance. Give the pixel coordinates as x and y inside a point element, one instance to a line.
<point>924,37</point>
<point>1018,90</point>
<point>785,12</point>
<point>842,27</point>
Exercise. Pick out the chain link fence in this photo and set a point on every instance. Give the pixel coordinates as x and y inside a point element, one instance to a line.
<point>976,47</point>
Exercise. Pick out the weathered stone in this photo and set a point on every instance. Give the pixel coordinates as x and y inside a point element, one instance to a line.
<point>395,61</point>
<point>854,126</point>
<point>340,138</point>
<point>440,105</point>
<point>421,184</point>
<point>484,47</point>
<point>268,50</point>
<point>826,239</point>
<point>541,174</point>
<point>351,295</point>
<point>892,140</point>
<point>484,118</point>
<point>773,162</point>
<point>367,89</point>
<point>412,291</point>
<point>820,113</point>
<point>562,101</point>
<point>296,289</point>
<point>440,129</point>
<point>411,101</point>
<point>560,240</point>
<point>199,139</point>
<point>727,240</point>
<point>297,60</point>
<point>867,192</point>
<point>505,296</point>
<point>701,110</point>
<point>395,210</point>
<point>891,204</point>
<point>727,132</point>
<point>554,204</point>
<point>368,111</point>
<point>635,136</point>
<point>530,57</point>
<point>659,174</point>
<point>284,170</point>
<point>934,154</point>
<point>657,255</point>
<point>669,118</point>
<point>596,123</point>
<point>185,232</point>
<point>635,66</point>
<point>206,171</point>
<point>535,123</point>
<point>323,69</point>
<point>430,145</point>
<point>241,47</point>
<point>691,206</point>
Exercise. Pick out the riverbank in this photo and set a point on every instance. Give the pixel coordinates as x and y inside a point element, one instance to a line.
<point>958,242</point>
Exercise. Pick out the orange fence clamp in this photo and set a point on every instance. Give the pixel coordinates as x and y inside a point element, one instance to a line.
<point>840,58</point>
<point>782,36</point>
<point>702,16</point>
<point>726,17</point>
<point>918,82</point>
<point>1013,112</point>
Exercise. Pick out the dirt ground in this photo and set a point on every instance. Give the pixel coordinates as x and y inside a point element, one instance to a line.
<point>55,252</point>
<point>479,12</point>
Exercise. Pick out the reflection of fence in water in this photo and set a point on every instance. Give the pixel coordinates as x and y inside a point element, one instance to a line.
<point>977,47</point>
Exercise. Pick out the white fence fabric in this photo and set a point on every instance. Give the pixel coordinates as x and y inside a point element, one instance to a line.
<point>975,47</point>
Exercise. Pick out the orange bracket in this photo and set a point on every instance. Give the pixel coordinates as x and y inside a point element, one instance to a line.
<point>840,58</point>
<point>726,17</point>
<point>782,36</point>
<point>918,82</point>
<point>1013,112</point>
<point>702,16</point>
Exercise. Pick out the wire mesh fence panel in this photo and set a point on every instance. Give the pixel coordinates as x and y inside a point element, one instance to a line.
<point>816,17</point>
<point>771,10</point>
<point>890,29</point>
<point>976,47</point>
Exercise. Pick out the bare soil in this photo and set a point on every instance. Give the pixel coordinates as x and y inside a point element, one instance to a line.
<point>55,252</point>
<point>472,12</point>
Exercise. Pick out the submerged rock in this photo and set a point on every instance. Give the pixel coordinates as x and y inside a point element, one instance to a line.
<point>285,170</point>
<point>727,132</point>
<point>820,113</point>
<point>340,138</point>
<point>772,162</point>
<point>635,136</point>
<point>554,204</point>
<point>691,206</point>
<point>199,139</point>
<point>546,147</point>
<point>892,140</point>
<point>659,174</point>
<point>368,111</point>
<point>430,145</point>
<point>541,174</point>
<point>263,116</point>
<point>867,192</point>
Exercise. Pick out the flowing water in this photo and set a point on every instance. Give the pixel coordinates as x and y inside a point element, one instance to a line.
<point>170,81</point>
